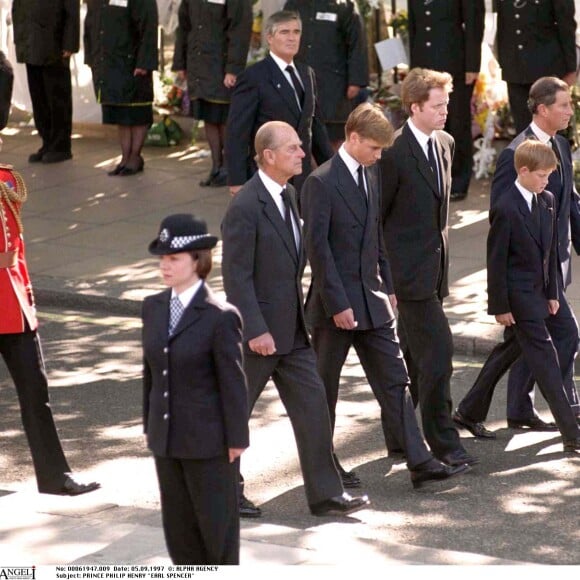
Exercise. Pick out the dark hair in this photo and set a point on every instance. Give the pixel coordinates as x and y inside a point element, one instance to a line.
<point>204,262</point>
<point>418,83</point>
<point>544,91</point>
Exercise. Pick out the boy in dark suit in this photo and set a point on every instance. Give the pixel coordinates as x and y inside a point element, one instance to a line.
<point>522,272</point>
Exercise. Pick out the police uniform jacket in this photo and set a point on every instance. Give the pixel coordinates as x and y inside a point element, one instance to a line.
<point>446,35</point>
<point>43,29</point>
<point>535,38</point>
<point>212,39</point>
<point>120,37</point>
<point>195,397</point>
<point>17,302</point>
<point>334,45</point>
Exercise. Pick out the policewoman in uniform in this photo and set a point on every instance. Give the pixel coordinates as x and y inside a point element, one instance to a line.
<point>446,35</point>
<point>535,38</point>
<point>20,344</point>
<point>195,398</point>
<point>334,45</point>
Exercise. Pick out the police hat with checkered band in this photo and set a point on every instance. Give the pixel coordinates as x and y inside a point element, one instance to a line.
<point>182,232</point>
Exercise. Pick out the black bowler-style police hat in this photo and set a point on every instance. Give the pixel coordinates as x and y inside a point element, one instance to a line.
<point>182,232</point>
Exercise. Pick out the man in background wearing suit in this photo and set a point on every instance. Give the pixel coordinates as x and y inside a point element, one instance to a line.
<point>350,302</point>
<point>416,183</point>
<point>534,39</point>
<point>334,45</point>
<point>263,262</point>
<point>550,105</point>
<point>446,36</point>
<point>522,280</point>
<point>275,89</point>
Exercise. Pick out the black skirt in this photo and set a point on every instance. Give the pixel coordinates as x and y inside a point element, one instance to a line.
<point>128,115</point>
<point>210,112</point>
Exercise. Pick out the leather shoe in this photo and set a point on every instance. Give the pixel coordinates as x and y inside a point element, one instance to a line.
<point>117,170</point>
<point>73,487</point>
<point>349,478</point>
<point>572,445</point>
<point>434,470</point>
<point>459,457</point>
<point>341,505</point>
<point>533,424</point>
<point>475,428</point>
<point>36,157</point>
<point>56,156</point>
<point>248,509</point>
<point>457,195</point>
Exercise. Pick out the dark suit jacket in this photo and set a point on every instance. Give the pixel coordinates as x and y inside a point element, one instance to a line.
<point>446,35</point>
<point>521,260</point>
<point>564,190</point>
<point>195,398</point>
<point>538,39</point>
<point>262,271</point>
<point>415,216</point>
<point>345,248</point>
<point>263,94</point>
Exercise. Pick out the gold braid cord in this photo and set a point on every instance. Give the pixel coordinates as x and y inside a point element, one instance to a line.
<point>12,196</point>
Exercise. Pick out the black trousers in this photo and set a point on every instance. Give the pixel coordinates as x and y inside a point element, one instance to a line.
<point>51,95</point>
<point>381,358</point>
<point>430,347</point>
<point>199,508</point>
<point>459,126</point>
<point>23,357</point>
<point>518,97</point>
<point>532,339</point>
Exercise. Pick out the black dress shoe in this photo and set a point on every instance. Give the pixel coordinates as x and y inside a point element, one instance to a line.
<point>459,457</point>
<point>56,156</point>
<point>341,505</point>
<point>248,509</point>
<point>349,478</point>
<point>533,424</point>
<point>572,445</point>
<point>36,157</point>
<point>117,170</point>
<point>73,487</point>
<point>207,182</point>
<point>475,428</point>
<point>434,470</point>
<point>457,195</point>
<point>220,179</point>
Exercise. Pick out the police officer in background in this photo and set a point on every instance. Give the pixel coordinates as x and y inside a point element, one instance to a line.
<point>446,35</point>
<point>535,38</point>
<point>334,45</point>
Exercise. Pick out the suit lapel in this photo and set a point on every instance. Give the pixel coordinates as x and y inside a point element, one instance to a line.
<point>308,107</point>
<point>193,311</point>
<point>444,162</point>
<point>546,223</point>
<point>281,84</point>
<point>161,315</point>
<point>349,191</point>
<point>421,159</point>
<point>527,214</point>
<point>273,214</point>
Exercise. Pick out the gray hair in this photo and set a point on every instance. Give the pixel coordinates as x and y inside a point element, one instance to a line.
<point>280,17</point>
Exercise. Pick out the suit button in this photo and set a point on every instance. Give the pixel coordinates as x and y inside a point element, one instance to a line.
<point>427,44</point>
<point>166,350</point>
<point>427,12</point>
<point>166,416</point>
<point>166,394</point>
<point>518,31</point>
<point>164,373</point>
<point>428,28</point>
<point>520,46</point>
<point>517,16</point>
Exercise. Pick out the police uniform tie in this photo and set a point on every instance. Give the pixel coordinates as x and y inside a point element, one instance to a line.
<point>361,182</point>
<point>298,89</point>
<point>175,312</point>
<point>433,163</point>
<point>288,215</point>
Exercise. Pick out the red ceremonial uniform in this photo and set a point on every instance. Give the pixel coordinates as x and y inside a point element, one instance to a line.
<point>16,303</point>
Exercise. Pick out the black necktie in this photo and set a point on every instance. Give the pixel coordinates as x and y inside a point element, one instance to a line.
<point>433,163</point>
<point>536,213</point>
<point>361,182</point>
<point>288,214</point>
<point>298,89</point>
<point>557,154</point>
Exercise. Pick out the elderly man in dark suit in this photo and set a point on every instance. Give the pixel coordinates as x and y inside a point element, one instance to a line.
<point>522,279</point>
<point>275,89</point>
<point>446,36</point>
<point>46,34</point>
<point>551,107</point>
<point>351,297</point>
<point>334,45</point>
<point>416,183</point>
<point>263,262</point>
<point>534,39</point>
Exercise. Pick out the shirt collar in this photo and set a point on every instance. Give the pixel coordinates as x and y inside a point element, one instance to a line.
<point>419,135</point>
<point>528,195</point>
<point>187,295</point>
<point>351,163</point>
<point>282,64</point>
<point>541,135</point>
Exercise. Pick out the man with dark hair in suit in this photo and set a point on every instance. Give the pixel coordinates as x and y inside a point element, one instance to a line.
<point>551,108</point>
<point>263,262</point>
<point>334,45</point>
<point>534,39</point>
<point>275,89</point>
<point>446,36</point>
<point>416,183</point>
<point>350,302</point>
<point>46,35</point>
